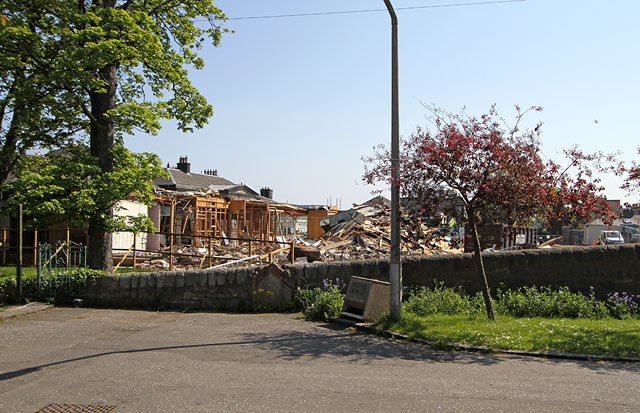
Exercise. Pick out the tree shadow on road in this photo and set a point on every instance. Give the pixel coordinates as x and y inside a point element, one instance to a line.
<point>346,346</point>
<point>351,346</point>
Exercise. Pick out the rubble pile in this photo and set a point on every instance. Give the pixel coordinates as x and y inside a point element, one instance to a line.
<point>365,232</point>
<point>186,257</point>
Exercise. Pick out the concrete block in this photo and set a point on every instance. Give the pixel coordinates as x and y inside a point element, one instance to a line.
<point>211,278</point>
<point>331,270</point>
<point>108,283</point>
<point>366,298</point>
<point>202,279</point>
<point>231,276</point>
<point>243,276</point>
<point>160,280</point>
<point>369,267</point>
<point>180,279</point>
<point>295,270</point>
<point>273,286</point>
<point>190,279</point>
<point>125,282</point>
<point>144,281</point>
<point>169,279</point>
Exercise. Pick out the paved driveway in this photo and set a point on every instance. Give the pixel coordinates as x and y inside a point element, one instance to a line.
<point>173,362</point>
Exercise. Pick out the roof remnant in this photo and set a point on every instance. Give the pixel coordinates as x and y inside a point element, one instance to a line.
<point>182,181</point>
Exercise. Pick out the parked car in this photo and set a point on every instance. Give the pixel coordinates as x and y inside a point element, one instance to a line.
<point>630,232</point>
<point>611,237</point>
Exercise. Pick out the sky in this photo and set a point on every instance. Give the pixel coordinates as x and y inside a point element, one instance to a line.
<point>299,100</point>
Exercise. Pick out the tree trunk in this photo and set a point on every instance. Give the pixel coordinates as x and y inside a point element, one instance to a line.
<point>9,148</point>
<point>488,302</point>
<point>101,145</point>
<point>100,244</point>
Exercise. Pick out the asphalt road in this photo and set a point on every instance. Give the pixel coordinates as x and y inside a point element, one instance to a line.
<point>174,362</point>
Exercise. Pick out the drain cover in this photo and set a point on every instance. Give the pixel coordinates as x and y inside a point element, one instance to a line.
<point>77,408</point>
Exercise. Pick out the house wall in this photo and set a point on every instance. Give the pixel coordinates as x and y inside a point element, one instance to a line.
<point>124,240</point>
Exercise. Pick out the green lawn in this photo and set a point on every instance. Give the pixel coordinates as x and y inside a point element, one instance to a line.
<point>581,336</point>
<point>10,272</point>
<point>27,272</point>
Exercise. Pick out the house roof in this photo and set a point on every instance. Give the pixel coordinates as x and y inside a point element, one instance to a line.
<point>241,191</point>
<point>378,200</point>
<point>182,181</point>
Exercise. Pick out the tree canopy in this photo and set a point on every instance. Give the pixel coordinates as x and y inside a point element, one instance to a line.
<point>632,180</point>
<point>35,111</point>
<point>67,185</point>
<point>497,170</point>
<point>100,69</point>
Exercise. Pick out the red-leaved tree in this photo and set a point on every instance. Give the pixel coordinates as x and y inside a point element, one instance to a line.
<point>632,181</point>
<point>496,170</point>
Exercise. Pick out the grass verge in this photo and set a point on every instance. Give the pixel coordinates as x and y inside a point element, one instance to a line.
<point>10,272</point>
<point>28,272</point>
<point>604,337</point>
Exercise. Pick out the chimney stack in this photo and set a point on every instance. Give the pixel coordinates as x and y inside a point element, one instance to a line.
<point>184,165</point>
<point>266,192</point>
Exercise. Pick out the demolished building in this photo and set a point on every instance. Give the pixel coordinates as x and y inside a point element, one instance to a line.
<point>197,205</point>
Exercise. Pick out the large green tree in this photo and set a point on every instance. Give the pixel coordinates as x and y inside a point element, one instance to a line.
<point>35,111</point>
<point>67,185</point>
<point>118,67</point>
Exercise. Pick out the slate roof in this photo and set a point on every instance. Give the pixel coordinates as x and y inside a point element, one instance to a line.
<point>185,182</point>
<point>181,181</point>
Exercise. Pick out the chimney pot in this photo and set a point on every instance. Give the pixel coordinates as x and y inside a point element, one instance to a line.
<point>266,192</point>
<point>184,165</point>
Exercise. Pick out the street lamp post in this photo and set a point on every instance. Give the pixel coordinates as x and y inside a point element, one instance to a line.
<point>395,275</point>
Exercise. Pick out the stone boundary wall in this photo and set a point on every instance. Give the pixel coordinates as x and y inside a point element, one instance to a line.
<point>607,269</point>
<point>226,289</point>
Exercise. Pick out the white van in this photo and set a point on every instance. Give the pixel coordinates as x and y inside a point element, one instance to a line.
<point>611,237</point>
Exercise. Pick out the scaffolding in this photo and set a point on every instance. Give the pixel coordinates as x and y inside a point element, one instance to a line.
<point>201,216</point>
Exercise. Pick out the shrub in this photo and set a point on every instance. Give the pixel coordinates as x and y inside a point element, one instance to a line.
<point>623,305</point>
<point>441,300</point>
<point>523,302</point>
<point>319,304</point>
<point>61,291</point>
<point>544,302</point>
<point>9,290</point>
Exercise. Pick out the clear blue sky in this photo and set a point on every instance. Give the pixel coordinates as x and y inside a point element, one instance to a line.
<point>299,100</point>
